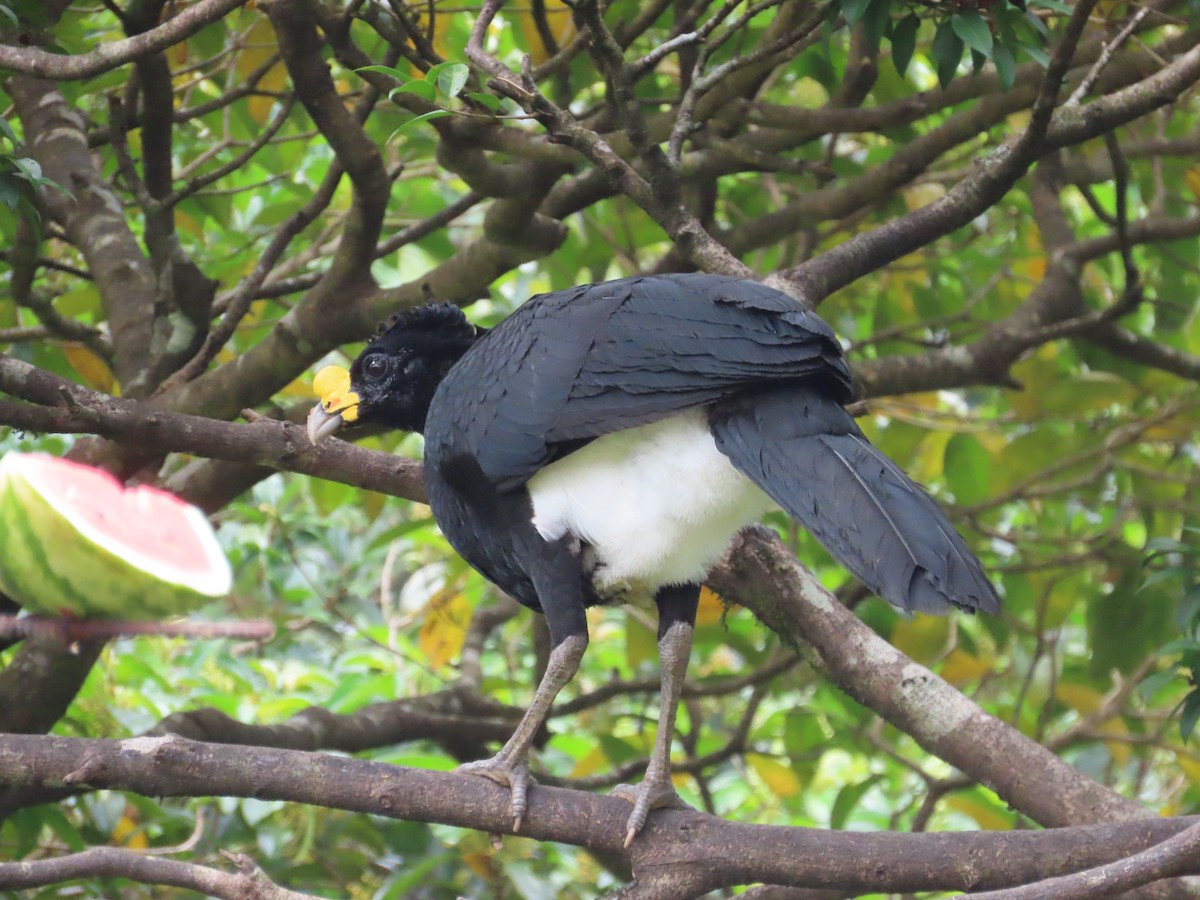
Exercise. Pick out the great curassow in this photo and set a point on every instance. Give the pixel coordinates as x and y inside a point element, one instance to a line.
<point>609,440</point>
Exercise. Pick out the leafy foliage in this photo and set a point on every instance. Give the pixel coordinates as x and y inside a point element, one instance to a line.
<point>1066,457</point>
<point>20,175</point>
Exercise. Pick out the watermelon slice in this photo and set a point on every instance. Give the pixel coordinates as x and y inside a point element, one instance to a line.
<point>74,541</point>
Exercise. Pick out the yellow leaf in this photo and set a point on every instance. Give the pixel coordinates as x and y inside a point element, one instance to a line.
<point>1085,700</point>
<point>960,667</point>
<point>1082,698</point>
<point>91,368</point>
<point>479,855</point>
<point>985,814</point>
<point>559,22</point>
<point>711,608</point>
<point>443,31</point>
<point>1176,428</point>
<point>1035,372</point>
<point>373,503</point>
<point>1034,265</point>
<point>641,641</point>
<point>481,864</point>
<point>781,780</point>
<point>260,45</point>
<point>1189,764</point>
<point>128,832</point>
<point>929,463</point>
<point>1120,750</point>
<point>922,638</point>
<point>594,761</point>
<point>920,195</point>
<point>1192,179</point>
<point>925,399</point>
<point>683,780</point>
<point>188,224</point>
<point>447,616</point>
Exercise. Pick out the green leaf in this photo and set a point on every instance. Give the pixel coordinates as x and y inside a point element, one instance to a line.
<point>490,101</point>
<point>1038,55</point>
<point>968,467</point>
<point>847,799</point>
<point>1056,5</point>
<point>876,20</point>
<point>1006,66</point>
<point>974,31</point>
<point>947,51</point>
<point>424,117</point>
<point>422,89</point>
<point>853,11</point>
<point>10,15</point>
<point>904,41</point>
<point>450,78</point>
<point>1189,715</point>
<point>386,70</point>
<point>7,131</point>
<point>1125,625</point>
<point>28,168</point>
<point>1188,611</point>
<point>9,195</point>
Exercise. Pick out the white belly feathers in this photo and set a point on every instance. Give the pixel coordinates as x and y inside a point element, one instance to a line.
<point>657,504</point>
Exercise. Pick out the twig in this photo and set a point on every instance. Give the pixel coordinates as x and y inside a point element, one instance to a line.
<point>1173,856</point>
<point>1106,55</point>
<point>70,630</point>
<point>114,862</point>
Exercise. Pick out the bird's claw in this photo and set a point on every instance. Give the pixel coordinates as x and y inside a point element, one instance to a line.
<point>512,775</point>
<point>647,796</point>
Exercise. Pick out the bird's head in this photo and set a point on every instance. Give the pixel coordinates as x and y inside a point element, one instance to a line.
<point>393,380</point>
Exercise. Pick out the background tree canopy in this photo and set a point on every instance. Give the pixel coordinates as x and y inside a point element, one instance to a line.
<point>995,208</point>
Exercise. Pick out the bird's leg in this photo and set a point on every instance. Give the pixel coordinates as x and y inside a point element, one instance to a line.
<point>509,767</point>
<point>555,572</point>
<point>676,623</point>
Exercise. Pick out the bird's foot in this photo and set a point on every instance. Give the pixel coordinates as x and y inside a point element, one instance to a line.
<point>645,797</point>
<point>513,775</point>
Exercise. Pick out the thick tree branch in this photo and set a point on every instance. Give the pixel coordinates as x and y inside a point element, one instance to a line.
<point>696,850</point>
<point>762,576</point>
<point>1172,857</point>
<point>95,224</point>
<point>58,406</point>
<point>56,66</point>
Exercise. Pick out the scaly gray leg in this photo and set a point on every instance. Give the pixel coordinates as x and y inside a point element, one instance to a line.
<point>676,623</point>
<point>555,572</point>
<point>510,766</point>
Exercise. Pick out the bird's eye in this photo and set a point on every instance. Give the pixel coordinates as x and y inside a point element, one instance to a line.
<point>375,366</point>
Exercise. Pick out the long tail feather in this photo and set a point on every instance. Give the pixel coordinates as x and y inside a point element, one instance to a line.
<point>804,450</point>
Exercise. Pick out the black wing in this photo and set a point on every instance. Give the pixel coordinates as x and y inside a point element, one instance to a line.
<point>807,453</point>
<point>572,365</point>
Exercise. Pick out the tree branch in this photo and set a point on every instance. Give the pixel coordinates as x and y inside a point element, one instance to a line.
<point>704,852</point>
<point>56,66</point>
<point>113,862</point>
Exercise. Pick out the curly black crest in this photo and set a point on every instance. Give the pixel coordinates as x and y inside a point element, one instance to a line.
<point>444,317</point>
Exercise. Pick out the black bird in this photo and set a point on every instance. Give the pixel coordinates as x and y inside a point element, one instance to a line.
<point>609,440</point>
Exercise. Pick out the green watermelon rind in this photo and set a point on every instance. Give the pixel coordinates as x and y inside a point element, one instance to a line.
<point>50,566</point>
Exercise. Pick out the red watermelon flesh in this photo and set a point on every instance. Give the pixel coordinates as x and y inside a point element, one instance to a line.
<point>76,540</point>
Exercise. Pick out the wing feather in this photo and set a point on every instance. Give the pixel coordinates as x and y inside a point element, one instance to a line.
<point>805,451</point>
<point>569,366</point>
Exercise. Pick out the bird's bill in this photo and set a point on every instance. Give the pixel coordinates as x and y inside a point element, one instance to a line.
<point>338,406</point>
